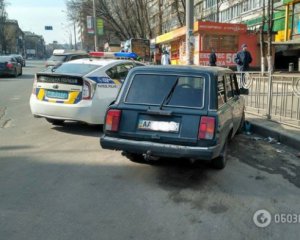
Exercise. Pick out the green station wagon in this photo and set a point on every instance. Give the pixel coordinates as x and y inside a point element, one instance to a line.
<point>176,112</point>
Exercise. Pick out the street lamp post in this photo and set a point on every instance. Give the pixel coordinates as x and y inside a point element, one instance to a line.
<point>95,27</point>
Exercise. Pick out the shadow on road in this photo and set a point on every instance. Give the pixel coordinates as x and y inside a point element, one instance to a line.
<point>17,147</point>
<point>80,129</point>
<point>182,174</point>
<point>19,78</point>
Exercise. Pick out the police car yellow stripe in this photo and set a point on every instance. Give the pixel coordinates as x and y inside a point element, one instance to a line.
<point>41,94</point>
<point>72,97</point>
<point>117,82</point>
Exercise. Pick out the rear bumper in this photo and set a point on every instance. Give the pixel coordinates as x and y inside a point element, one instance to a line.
<point>160,149</point>
<point>7,72</point>
<point>84,111</point>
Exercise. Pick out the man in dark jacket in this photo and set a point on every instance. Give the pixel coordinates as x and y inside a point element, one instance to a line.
<point>243,59</point>
<point>212,58</point>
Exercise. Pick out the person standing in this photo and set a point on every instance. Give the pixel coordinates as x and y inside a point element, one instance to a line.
<point>212,58</point>
<point>243,59</point>
<point>165,58</point>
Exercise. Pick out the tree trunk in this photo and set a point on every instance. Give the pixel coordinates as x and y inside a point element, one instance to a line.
<point>160,17</point>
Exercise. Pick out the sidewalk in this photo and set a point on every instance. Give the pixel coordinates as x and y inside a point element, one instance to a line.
<point>285,134</point>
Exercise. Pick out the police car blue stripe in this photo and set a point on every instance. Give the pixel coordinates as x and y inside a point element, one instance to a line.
<point>105,80</point>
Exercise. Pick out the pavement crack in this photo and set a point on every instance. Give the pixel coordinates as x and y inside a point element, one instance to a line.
<point>6,123</point>
<point>2,112</point>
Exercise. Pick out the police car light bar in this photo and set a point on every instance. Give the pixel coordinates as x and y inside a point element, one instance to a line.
<point>126,55</point>
<point>113,55</point>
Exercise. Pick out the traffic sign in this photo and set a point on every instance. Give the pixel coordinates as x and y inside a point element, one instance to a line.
<point>48,28</point>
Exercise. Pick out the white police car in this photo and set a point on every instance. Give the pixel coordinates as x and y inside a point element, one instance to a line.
<point>80,90</point>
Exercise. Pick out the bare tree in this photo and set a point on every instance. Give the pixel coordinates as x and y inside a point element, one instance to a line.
<point>180,11</point>
<point>125,18</point>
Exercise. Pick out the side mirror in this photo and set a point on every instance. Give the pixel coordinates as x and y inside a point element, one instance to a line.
<point>244,91</point>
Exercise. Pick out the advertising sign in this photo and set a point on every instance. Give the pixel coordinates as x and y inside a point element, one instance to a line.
<point>100,28</point>
<point>220,27</point>
<point>48,28</point>
<point>223,59</point>
<point>90,25</point>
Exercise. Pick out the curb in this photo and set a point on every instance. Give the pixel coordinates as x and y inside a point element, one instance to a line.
<point>280,136</point>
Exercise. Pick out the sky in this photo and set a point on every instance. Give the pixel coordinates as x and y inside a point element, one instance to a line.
<point>34,15</point>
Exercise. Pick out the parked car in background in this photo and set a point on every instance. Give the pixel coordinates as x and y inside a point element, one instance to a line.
<point>10,66</point>
<point>59,56</point>
<point>176,112</point>
<point>79,90</point>
<point>19,58</point>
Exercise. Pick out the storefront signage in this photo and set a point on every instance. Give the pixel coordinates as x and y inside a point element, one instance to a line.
<point>223,27</point>
<point>223,59</point>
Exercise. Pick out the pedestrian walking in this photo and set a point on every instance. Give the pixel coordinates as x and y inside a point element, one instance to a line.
<point>165,58</point>
<point>212,58</point>
<point>243,59</point>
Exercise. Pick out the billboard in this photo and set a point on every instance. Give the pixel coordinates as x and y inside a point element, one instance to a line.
<point>100,28</point>
<point>90,25</point>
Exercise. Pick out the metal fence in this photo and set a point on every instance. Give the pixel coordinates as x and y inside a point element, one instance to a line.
<point>275,96</point>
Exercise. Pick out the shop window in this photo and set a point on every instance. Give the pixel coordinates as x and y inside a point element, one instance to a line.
<point>210,3</point>
<point>228,43</point>
<point>221,43</point>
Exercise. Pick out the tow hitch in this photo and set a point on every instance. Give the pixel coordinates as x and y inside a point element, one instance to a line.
<point>149,157</point>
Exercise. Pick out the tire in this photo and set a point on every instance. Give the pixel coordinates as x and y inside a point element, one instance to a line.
<point>220,161</point>
<point>55,121</point>
<point>15,73</point>
<point>241,127</point>
<point>133,157</point>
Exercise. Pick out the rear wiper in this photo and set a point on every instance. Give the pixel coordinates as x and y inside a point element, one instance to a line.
<point>169,94</point>
<point>53,69</point>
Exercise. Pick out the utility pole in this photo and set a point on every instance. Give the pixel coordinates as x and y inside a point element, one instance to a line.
<point>95,27</point>
<point>189,30</point>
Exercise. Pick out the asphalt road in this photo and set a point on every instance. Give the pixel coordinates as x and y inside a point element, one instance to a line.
<point>57,183</point>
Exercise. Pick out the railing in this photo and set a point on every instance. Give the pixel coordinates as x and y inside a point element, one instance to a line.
<point>275,96</point>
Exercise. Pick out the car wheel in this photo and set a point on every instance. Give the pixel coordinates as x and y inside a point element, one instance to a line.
<point>221,160</point>
<point>55,121</point>
<point>241,127</point>
<point>16,73</point>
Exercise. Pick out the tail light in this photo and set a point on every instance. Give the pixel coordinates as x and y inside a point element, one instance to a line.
<point>88,90</point>
<point>34,85</point>
<point>9,65</point>
<point>207,128</point>
<point>112,121</point>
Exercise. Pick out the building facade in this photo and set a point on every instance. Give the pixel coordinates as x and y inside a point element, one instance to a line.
<point>12,40</point>
<point>34,45</point>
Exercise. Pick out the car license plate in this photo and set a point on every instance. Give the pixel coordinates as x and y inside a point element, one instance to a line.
<point>158,126</point>
<point>57,94</point>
